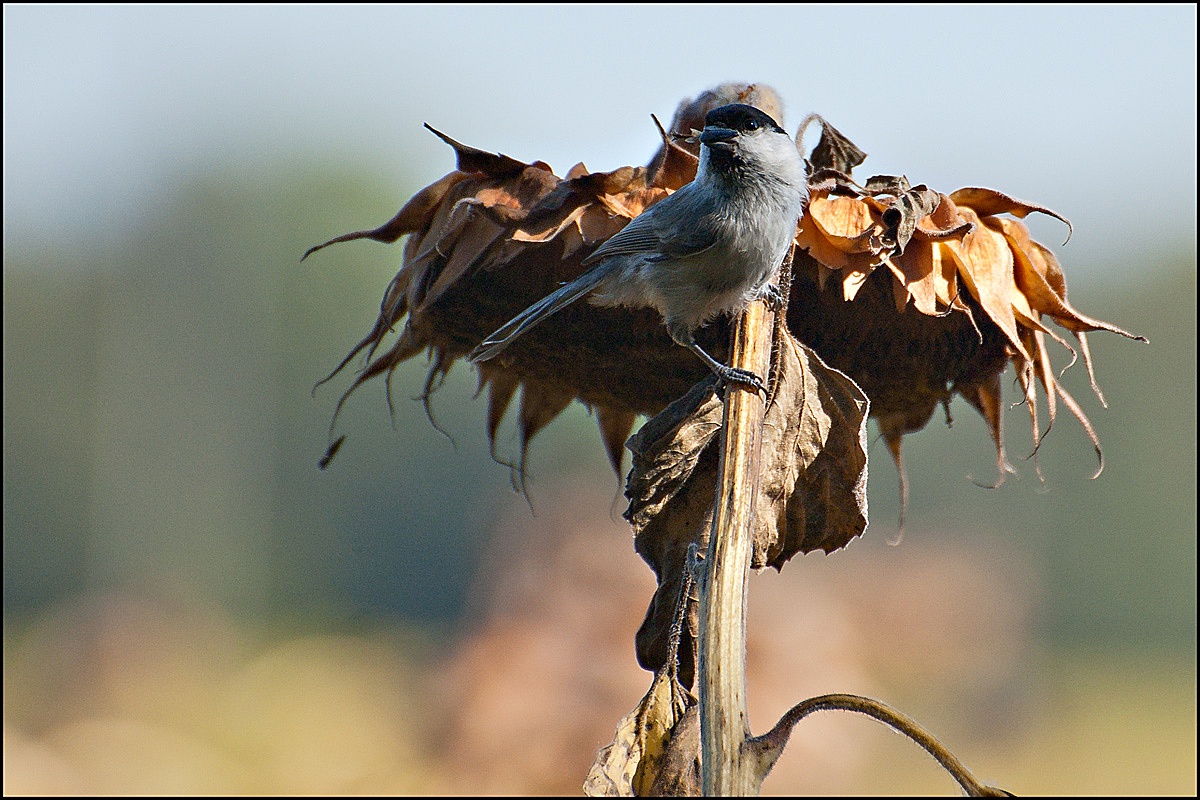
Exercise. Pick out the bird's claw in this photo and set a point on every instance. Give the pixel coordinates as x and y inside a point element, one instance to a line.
<point>743,376</point>
<point>769,293</point>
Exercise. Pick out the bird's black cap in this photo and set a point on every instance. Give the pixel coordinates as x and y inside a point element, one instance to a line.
<point>741,117</point>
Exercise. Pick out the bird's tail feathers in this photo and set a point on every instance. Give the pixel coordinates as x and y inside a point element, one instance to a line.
<point>494,344</point>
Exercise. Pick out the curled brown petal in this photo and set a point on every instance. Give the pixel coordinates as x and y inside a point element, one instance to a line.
<point>988,202</point>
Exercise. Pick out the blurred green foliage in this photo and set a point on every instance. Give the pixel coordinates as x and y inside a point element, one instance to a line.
<point>159,432</point>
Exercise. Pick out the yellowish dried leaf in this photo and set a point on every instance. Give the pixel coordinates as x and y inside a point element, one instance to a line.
<point>989,202</point>
<point>811,238</point>
<point>985,263</point>
<point>945,221</point>
<point>636,200</point>
<point>916,276</point>
<point>945,275</point>
<point>1032,272</point>
<point>845,221</point>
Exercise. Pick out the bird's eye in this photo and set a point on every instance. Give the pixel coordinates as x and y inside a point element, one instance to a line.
<point>751,124</point>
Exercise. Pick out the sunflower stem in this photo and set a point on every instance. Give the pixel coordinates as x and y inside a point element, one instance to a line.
<point>726,767</point>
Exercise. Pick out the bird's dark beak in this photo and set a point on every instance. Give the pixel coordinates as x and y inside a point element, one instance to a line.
<point>714,135</point>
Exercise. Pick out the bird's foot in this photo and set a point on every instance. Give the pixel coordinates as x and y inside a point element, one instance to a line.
<point>769,293</point>
<point>744,377</point>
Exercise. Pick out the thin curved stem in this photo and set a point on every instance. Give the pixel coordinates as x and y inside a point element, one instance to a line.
<point>768,747</point>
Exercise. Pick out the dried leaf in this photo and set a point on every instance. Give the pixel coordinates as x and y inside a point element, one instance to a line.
<point>894,185</point>
<point>331,451</point>
<point>615,427</point>
<point>812,239</point>
<point>501,388</point>
<point>673,166</point>
<point>943,223</point>
<point>985,263</point>
<point>463,252</point>
<point>916,276</point>
<point>846,222</point>
<point>679,770</point>
<point>813,490</point>
<point>630,203</point>
<point>414,216</point>
<point>577,191</point>
<point>854,276</point>
<point>945,276</point>
<point>1032,272</point>
<point>472,159</point>
<point>539,407</point>
<point>989,202</point>
<point>630,765</point>
<point>900,219</point>
<point>812,494</point>
<point>833,151</point>
<point>1087,361</point>
<point>597,225</point>
<point>551,230</point>
<point>984,395</point>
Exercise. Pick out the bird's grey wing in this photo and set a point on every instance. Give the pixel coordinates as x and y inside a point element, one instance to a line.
<point>494,344</point>
<point>650,236</point>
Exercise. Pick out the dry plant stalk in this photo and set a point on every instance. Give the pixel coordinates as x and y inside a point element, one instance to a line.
<point>724,722</point>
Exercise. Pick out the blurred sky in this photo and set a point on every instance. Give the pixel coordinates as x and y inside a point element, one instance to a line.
<point>1089,110</point>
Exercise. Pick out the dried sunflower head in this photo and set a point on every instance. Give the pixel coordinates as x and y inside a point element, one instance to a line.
<point>964,291</point>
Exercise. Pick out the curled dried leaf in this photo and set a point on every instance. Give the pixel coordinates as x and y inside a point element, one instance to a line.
<point>416,215</point>
<point>902,217</point>
<point>846,222</point>
<point>989,202</point>
<point>944,222</point>
<point>833,151</point>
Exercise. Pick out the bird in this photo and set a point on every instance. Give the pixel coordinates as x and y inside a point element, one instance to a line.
<point>706,249</point>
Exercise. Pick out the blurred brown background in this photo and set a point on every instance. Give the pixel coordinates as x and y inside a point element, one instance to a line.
<point>190,606</point>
